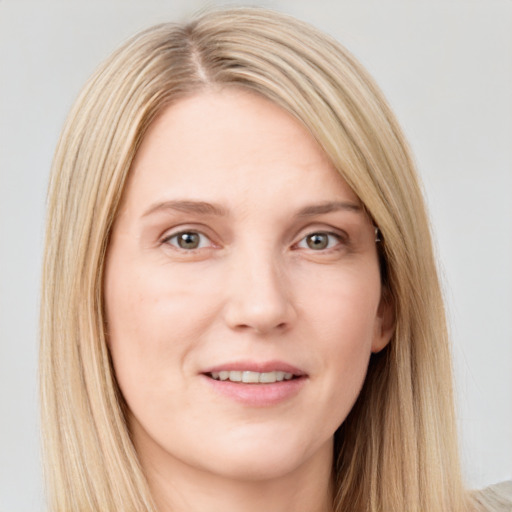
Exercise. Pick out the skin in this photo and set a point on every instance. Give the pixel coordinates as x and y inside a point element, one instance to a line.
<point>256,288</point>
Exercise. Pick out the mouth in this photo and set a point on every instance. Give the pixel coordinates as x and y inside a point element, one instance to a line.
<point>252,377</point>
<point>251,372</point>
<point>256,384</point>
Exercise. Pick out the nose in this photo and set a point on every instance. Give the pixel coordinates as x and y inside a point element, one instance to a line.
<point>258,295</point>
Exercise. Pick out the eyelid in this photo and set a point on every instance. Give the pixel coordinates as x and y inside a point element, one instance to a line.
<point>340,236</point>
<point>169,235</point>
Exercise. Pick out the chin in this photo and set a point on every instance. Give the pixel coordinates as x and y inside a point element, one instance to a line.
<point>271,459</point>
<point>257,468</point>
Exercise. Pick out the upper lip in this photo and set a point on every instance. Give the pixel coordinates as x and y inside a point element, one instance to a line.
<point>255,366</point>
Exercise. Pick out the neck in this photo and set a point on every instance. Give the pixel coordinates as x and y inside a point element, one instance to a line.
<point>178,487</point>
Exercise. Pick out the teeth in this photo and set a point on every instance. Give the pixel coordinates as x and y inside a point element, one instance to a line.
<point>234,376</point>
<point>252,377</point>
<point>267,377</point>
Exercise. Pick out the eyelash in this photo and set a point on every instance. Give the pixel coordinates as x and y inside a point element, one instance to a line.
<point>338,239</point>
<point>202,237</point>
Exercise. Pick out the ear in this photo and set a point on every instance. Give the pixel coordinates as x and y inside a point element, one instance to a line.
<point>384,323</point>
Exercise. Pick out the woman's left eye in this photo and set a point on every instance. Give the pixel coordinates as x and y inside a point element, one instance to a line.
<point>188,240</point>
<point>319,241</point>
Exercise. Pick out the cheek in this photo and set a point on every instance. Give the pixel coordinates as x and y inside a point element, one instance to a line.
<point>344,305</point>
<point>154,323</point>
<point>158,320</point>
<point>150,309</point>
<point>345,319</point>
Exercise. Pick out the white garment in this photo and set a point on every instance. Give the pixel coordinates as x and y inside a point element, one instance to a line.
<point>496,498</point>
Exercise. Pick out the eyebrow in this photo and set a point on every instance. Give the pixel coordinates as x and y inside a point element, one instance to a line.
<point>205,208</point>
<point>198,207</point>
<point>329,207</point>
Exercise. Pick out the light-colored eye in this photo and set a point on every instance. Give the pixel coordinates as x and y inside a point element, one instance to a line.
<point>188,240</point>
<point>319,241</point>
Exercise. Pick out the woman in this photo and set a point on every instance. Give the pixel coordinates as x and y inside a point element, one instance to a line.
<point>241,307</point>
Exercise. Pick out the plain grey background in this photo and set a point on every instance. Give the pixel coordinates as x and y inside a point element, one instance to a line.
<point>446,68</point>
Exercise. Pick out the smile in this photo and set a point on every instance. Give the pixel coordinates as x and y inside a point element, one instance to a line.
<point>256,383</point>
<point>249,377</point>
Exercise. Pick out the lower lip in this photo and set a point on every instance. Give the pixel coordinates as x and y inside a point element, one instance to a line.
<point>257,395</point>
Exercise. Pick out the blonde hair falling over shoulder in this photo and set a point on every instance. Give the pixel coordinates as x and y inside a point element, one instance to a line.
<point>397,450</point>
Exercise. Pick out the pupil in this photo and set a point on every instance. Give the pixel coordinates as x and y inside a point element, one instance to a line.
<point>188,240</point>
<point>318,241</point>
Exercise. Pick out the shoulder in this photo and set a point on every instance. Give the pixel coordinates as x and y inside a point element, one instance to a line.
<point>496,498</point>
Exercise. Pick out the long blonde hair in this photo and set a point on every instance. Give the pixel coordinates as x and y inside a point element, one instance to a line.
<point>397,450</point>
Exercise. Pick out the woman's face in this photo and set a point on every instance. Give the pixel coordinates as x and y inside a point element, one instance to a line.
<point>242,291</point>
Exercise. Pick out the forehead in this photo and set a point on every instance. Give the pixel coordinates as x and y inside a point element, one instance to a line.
<point>231,145</point>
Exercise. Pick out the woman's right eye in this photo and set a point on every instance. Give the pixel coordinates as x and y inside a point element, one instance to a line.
<point>188,240</point>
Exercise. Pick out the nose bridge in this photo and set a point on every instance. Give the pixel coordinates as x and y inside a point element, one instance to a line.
<point>259,297</point>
